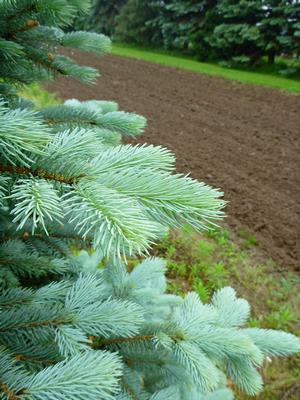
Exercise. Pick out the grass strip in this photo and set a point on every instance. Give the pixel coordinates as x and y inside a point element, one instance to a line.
<point>251,77</point>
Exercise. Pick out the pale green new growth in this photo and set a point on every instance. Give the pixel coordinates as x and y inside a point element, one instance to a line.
<point>36,200</point>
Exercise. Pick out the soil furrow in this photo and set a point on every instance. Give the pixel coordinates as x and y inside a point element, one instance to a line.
<point>243,139</point>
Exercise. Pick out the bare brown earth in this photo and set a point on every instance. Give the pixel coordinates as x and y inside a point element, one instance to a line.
<point>240,138</point>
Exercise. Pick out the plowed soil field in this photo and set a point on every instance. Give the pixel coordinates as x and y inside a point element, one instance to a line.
<point>240,138</point>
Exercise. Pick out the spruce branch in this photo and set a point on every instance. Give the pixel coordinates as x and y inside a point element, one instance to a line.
<point>93,115</point>
<point>29,24</point>
<point>10,50</point>
<point>93,373</point>
<point>101,343</point>
<point>37,200</point>
<point>129,391</point>
<point>53,246</point>
<point>27,324</point>
<point>20,296</point>
<point>67,66</point>
<point>13,11</point>
<point>87,41</point>
<point>23,357</point>
<point>16,257</point>
<point>7,392</point>
<point>21,132</point>
<point>39,173</point>
<point>116,221</point>
<point>98,106</point>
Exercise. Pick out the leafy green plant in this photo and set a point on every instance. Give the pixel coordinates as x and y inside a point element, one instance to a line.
<point>40,97</point>
<point>249,239</point>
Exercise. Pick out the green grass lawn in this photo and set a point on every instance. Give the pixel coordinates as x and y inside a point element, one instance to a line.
<point>266,78</point>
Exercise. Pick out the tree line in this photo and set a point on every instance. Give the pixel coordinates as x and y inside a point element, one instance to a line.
<point>242,31</point>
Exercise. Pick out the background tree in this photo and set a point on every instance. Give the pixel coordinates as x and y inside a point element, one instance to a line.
<point>249,30</point>
<point>178,20</point>
<point>135,22</point>
<point>236,35</point>
<point>69,327</point>
<point>280,28</point>
<point>241,31</point>
<point>103,15</point>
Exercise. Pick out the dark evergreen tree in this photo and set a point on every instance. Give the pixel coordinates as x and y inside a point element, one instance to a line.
<point>103,15</point>
<point>246,31</point>
<point>236,35</point>
<point>135,22</point>
<point>280,28</point>
<point>178,20</point>
<point>241,31</point>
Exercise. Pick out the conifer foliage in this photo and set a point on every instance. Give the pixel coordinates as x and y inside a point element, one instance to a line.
<point>68,328</point>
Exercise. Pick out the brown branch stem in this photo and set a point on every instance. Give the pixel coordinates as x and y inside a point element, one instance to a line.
<point>39,173</point>
<point>27,235</point>
<point>129,390</point>
<point>35,324</point>
<point>99,343</point>
<point>22,357</point>
<point>53,121</point>
<point>9,393</point>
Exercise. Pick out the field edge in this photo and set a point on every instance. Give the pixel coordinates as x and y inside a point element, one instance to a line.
<point>290,86</point>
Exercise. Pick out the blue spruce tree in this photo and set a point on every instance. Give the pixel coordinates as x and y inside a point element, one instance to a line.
<point>68,329</point>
